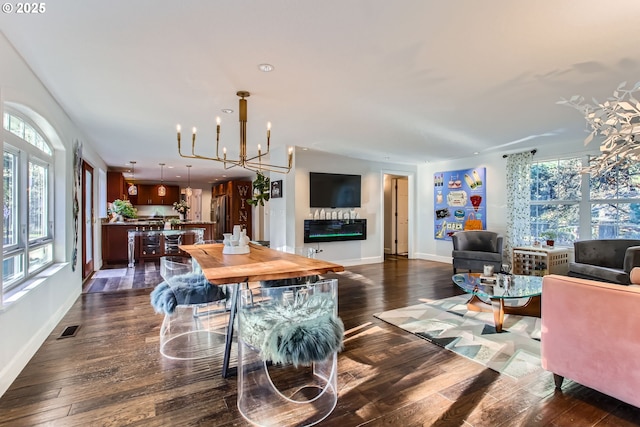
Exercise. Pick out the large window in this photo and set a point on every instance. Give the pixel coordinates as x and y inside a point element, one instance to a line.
<point>615,204</point>
<point>559,202</point>
<point>28,200</point>
<point>556,193</point>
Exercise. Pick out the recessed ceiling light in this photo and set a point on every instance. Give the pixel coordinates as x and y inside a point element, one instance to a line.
<point>227,110</point>
<point>476,152</point>
<point>265,68</point>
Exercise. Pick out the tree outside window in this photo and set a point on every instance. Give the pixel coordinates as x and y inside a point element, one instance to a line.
<point>612,207</point>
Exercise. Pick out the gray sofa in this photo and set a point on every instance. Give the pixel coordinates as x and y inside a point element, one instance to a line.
<point>472,250</point>
<point>605,260</point>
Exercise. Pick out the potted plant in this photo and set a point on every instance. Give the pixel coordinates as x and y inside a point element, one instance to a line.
<point>550,236</point>
<point>261,190</point>
<point>123,209</point>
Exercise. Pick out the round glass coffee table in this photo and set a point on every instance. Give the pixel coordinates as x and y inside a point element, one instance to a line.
<point>489,295</point>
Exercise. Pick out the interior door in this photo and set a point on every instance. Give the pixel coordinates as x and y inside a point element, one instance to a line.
<point>402,215</point>
<point>87,220</point>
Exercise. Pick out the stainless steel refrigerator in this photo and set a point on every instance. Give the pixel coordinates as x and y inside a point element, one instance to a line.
<point>218,216</point>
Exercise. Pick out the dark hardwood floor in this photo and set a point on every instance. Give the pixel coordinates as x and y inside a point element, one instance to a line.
<point>112,374</point>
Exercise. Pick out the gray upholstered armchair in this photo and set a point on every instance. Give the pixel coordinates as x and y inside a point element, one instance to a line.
<point>472,250</point>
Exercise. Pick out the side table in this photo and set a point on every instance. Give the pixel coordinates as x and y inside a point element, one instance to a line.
<point>540,261</point>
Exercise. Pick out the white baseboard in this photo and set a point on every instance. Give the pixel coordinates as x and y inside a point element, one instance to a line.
<point>432,257</point>
<point>10,372</point>
<point>360,261</point>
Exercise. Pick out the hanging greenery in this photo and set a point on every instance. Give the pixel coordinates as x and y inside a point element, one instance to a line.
<point>261,190</point>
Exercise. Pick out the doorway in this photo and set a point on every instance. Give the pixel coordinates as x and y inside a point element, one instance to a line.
<point>87,220</point>
<point>396,214</point>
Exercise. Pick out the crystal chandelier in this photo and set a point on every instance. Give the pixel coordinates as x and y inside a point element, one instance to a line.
<point>618,121</point>
<point>251,163</point>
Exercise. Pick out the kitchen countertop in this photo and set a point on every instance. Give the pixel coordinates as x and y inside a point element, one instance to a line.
<point>198,234</point>
<point>152,222</point>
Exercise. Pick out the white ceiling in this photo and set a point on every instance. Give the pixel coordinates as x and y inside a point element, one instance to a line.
<point>397,81</point>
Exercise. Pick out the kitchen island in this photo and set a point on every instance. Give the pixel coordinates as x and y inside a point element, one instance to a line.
<point>150,244</point>
<point>115,239</point>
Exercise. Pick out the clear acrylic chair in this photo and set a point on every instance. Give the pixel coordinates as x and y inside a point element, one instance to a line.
<point>192,327</point>
<point>288,339</point>
<point>302,251</point>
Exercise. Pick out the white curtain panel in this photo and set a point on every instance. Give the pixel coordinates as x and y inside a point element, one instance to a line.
<point>518,197</point>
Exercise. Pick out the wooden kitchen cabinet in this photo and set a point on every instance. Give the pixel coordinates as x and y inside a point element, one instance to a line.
<point>148,195</point>
<point>173,195</point>
<point>237,210</point>
<point>116,186</point>
<point>149,241</point>
<point>144,194</point>
<point>114,243</point>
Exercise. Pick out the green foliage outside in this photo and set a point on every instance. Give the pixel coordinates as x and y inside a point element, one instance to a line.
<point>556,194</point>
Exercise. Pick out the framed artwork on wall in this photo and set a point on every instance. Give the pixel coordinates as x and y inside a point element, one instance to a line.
<point>276,189</point>
<point>459,202</point>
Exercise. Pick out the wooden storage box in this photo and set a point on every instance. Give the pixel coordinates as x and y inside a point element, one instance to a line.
<point>537,261</point>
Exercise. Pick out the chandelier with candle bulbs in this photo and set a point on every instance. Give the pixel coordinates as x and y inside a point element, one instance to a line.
<point>253,163</point>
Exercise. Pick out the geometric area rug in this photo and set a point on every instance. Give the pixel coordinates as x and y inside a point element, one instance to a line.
<point>447,323</point>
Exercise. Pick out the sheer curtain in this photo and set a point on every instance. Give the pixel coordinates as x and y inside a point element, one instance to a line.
<point>518,197</point>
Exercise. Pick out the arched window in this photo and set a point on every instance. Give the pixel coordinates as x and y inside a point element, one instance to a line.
<point>27,235</point>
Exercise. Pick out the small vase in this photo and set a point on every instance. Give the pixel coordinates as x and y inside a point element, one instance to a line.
<point>227,239</point>
<point>182,216</point>
<point>244,239</point>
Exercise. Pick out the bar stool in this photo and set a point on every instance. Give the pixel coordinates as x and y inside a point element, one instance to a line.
<point>191,328</point>
<point>288,339</point>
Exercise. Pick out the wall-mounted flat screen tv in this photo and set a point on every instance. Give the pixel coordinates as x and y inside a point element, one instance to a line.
<point>331,190</point>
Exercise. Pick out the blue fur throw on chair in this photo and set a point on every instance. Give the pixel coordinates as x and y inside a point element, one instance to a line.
<point>185,289</point>
<point>300,333</point>
<point>304,342</point>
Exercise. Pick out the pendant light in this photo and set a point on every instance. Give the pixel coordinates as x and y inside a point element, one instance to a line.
<point>133,189</point>
<point>189,190</point>
<point>162,190</point>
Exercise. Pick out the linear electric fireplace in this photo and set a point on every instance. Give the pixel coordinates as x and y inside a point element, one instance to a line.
<point>334,230</point>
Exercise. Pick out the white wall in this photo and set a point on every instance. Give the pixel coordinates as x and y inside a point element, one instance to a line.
<point>288,213</point>
<point>440,250</point>
<point>26,323</point>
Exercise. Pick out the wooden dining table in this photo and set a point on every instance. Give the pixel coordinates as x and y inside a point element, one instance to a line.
<point>260,264</point>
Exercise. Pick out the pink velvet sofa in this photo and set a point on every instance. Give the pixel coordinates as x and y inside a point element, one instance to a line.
<point>591,335</point>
